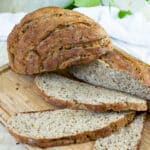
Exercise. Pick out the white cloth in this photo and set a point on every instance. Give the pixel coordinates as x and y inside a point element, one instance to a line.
<point>7,22</point>
<point>131,33</point>
<point>7,142</point>
<point>3,53</point>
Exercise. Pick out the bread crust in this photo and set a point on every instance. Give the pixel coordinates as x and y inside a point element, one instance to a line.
<point>118,59</point>
<point>74,104</point>
<point>119,71</point>
<point>137,146</point>
<point>139,141</point>
<point>53,38</point>
<point>78,138</point>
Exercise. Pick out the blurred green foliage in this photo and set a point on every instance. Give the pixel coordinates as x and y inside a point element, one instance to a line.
<point>123,13</point>
<point>86,3</point>
<point>30,5</point>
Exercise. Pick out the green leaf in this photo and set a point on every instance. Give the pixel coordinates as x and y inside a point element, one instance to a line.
<point>123,13</point>
<point>70,6</point>
<point>87,3</point>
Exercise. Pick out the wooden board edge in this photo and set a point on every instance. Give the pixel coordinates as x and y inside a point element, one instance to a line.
<point>4,68</point>
<point>4,116</point>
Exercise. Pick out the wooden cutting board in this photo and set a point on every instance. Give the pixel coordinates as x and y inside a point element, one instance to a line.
<point>18,94</point>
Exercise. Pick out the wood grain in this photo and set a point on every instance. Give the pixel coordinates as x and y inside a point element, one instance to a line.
<point>18,94</point>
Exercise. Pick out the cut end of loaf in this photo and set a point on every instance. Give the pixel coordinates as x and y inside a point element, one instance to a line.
<point>100,73</point>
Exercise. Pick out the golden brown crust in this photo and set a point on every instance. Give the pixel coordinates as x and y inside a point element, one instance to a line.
<point>53,38</point>
<point>78,138</point>
<point>121,106</point>
<point>139,141</point>
<point>118,59</point>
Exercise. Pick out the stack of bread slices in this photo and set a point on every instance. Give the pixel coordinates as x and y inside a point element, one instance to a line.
<point>102,92</point>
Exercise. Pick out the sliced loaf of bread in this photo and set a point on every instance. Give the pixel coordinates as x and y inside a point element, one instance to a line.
<point>119,71</point>
<point>65,126</point>
<point>127,138</point>
<point>67,93</point>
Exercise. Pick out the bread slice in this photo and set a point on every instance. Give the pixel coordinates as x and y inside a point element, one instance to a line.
<point>127,138</point>
<point>119,71</point>
<point>65,126</point>
<point>63,92</point>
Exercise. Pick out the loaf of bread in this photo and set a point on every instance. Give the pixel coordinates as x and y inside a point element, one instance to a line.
<point>53,38</point>
<point>63,92</point>
<point>127,138</point>
<point>119,71</point>
<point>63,127</point>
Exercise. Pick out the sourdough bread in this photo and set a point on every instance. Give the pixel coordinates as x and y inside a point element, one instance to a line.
<point>66,126</point>
<point>53,38</point>
<point>127,138</point>
<point>119,71</point>
<point>64,92</point>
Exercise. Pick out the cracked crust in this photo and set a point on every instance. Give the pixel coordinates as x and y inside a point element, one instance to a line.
<point>116,70</point>
<point>53,38</point>
<point>120,60</point>
<point>78,138</point>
